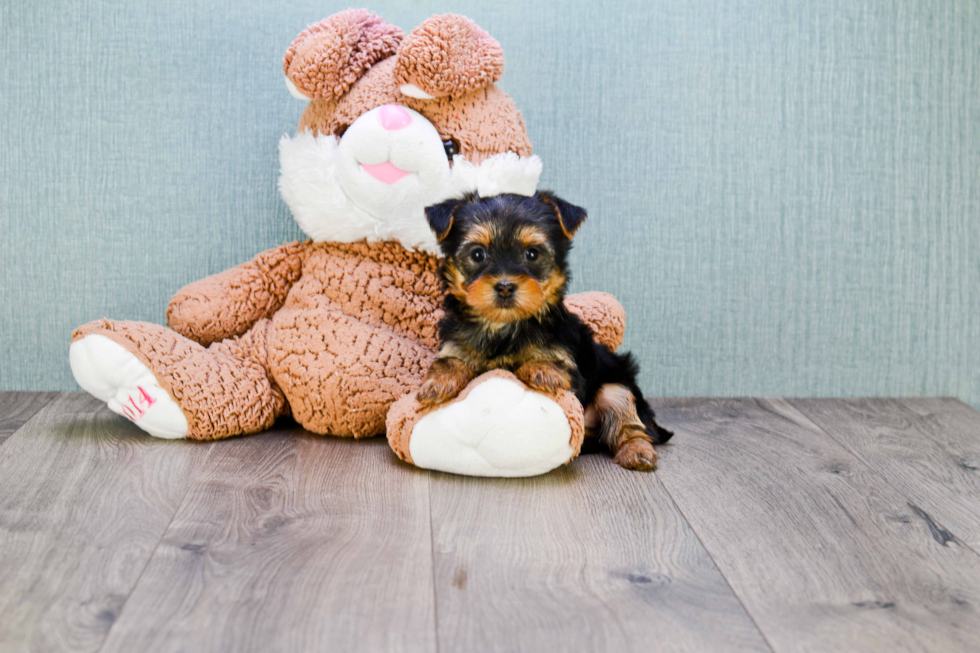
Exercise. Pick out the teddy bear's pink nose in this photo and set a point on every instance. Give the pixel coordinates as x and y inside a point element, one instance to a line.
<point>393,117</point>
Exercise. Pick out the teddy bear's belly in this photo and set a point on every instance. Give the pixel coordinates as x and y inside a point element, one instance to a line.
<point>378,284</point>
<point>356,333</point>
<point>340,375</point>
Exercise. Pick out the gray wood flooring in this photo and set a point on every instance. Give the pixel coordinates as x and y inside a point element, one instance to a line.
<point>770,525</point>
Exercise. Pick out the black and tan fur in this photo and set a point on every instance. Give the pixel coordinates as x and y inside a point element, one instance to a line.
<point>505,272</point>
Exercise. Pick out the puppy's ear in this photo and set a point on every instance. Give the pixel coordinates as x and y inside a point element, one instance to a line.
<point>441,217</point>
<point>570,217</point>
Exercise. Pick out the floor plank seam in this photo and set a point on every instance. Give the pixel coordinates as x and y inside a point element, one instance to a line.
<point>714,562</point>
<point>149,559</point>
<point>835,520</point>
<point>432,558</point>
<point>929,519</point>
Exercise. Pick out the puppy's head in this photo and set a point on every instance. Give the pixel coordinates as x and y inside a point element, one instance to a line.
<point>506,256</point>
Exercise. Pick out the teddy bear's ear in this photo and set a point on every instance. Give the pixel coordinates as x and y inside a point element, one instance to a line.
<point>570,217</point>
<point>447,55</point>
<point>327,58</point>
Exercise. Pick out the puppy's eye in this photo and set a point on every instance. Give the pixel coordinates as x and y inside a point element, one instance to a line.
<point>478,255</point>
<point>531,254</point>
<point>452,147</point>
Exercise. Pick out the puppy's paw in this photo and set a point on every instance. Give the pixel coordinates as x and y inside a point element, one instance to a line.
<point>545,377</point>
<point>437,391</point>
<point>446,379</point>
<point>636,454</point>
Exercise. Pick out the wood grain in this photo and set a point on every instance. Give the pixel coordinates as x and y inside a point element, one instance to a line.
<point>18,407</point>
<point>291,543</point>
<point>928,449</point>
<point>589,557</point>
<point>837,524</point>
<point>824,554</point>
<point>85,499</point>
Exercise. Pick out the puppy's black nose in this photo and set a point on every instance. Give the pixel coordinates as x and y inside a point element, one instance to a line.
<point>505,288</point>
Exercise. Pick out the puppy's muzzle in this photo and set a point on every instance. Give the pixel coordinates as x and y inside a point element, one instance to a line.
<point>505,289</point>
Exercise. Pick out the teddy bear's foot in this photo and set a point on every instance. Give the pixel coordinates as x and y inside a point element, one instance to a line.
<point>111,373</point>
<point>496,427</point>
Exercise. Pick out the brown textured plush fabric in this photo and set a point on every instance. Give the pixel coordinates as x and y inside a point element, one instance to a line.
<point>484,122</point>
<point>228,303</point>
<point>355,332</point>
<point>449,55</point>
<point>604,315</point>
<point>224,389</point>
<point>327,58</point>
<point>335,333</point>
<point>406,413</point>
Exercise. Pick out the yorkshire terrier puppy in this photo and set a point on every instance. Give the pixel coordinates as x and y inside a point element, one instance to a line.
<point>505,271</point>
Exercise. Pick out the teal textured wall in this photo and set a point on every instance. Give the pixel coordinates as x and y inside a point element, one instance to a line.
<point>784,195</point>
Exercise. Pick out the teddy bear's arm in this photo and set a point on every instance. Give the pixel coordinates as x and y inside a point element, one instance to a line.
<point>602,313</point>
<point>228,303</point>
<point>454,437</point>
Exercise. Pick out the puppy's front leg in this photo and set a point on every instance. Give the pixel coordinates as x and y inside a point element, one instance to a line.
<point>544,375</point>
<point>446,378</point>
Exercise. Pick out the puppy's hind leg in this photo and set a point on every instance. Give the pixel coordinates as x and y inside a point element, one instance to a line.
<point>657,433</point>
<point>622,429</point>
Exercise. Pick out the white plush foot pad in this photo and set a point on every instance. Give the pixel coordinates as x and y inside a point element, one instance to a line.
<point>108,371</point>
<point>499,429</point>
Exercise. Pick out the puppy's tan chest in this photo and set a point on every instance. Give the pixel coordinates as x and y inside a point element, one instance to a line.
<point>480,362</point>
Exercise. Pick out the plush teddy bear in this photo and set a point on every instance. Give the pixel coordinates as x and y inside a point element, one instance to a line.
<point>335,330</point>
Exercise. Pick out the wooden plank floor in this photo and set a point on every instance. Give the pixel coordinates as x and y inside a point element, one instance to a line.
<point>770,525</point>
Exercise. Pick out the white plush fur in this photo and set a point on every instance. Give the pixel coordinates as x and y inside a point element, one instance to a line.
<point>333,199</point>
<point>295,91</point>
<point>499,429</point>
<point>416,148</point>
<point>411,90</point>
<point>501,173</point>
<point>111,373</point>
